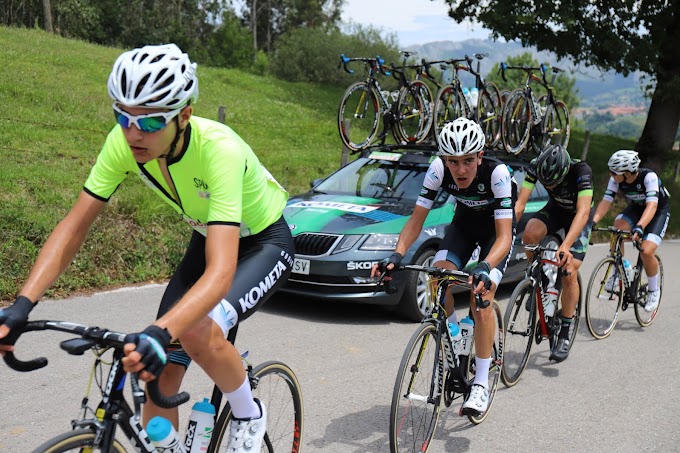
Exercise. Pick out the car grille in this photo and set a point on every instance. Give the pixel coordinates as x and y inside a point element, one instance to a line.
<point>313,244</point>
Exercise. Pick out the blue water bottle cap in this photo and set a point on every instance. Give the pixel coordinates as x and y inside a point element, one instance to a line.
<point>158,428</point>
<point>204,406</point>
<point>467,320</point>
<point>626,263</point>
<point>454,329</point>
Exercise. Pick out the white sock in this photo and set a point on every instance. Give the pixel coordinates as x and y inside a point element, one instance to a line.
<point>482,372</point>
<point>242,403</point>
<point>453,319</point>
<point>653,283</point>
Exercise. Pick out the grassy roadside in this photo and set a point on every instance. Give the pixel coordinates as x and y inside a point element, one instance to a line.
<point>57,114</point>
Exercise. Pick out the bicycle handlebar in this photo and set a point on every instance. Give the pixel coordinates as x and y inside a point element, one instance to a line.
<point>623,233</point>
<point>543,68</point>
<point>379,62</point>
<point>98,337</point>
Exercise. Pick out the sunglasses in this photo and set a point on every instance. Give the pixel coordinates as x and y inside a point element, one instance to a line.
<point>153,122</point>
<point>616,173</point>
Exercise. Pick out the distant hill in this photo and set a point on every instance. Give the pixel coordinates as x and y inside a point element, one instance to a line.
<point>596,90</point>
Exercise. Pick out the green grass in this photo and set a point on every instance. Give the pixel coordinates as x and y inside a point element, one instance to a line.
<point>56,114</point>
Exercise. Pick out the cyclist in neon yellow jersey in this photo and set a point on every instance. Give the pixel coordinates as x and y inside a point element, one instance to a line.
<point>241,250</point>
<point>569,183</point>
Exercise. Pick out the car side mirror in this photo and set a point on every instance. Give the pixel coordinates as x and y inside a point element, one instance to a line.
<point>315,183</point>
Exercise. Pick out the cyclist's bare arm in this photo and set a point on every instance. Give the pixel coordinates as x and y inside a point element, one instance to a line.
<point>221,256</point>
<point>409,234</point>
<point>583,204</point>
<point>602,210</point>
<point>501,247</point>
<point>648,214</point>
<point>62,245</point>
<point>521,202</point>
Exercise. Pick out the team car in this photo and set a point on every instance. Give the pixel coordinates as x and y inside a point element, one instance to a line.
<point>351,220</point>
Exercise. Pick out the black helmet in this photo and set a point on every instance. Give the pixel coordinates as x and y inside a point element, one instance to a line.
<point>552,165</point>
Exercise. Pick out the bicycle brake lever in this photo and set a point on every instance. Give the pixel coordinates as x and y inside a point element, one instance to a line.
<point>480,302</point>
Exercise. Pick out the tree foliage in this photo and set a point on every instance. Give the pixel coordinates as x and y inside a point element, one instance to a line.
<point>619,35</point>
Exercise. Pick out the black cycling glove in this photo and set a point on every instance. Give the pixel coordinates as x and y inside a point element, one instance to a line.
<point>395,259</point>
<point>151,344</point>
<point>638,230</point>
<point>17,313</point>
<point>481,273</point>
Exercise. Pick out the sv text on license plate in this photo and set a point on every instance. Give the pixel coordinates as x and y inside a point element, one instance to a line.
<point>301,266</point>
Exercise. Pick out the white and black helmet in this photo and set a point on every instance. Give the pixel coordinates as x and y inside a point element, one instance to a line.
<point>460,137</point>
<point>154,76</point>
<point>624,160</point>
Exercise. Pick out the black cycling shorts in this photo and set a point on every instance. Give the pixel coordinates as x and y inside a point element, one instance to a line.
<point>556,218</point>
<point>656,229</point>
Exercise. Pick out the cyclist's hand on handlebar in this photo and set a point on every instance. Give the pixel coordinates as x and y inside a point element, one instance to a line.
<point>386,265</point>
<point>637,232</point>
<point>13,316</point>
<point>481,274</point>
<point>145,352</point>
<point>564,256</point>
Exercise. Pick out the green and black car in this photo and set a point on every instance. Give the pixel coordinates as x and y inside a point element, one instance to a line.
<point>351,219</point>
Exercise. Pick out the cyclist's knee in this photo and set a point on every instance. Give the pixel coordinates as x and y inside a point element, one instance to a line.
<point>533,233</point>
<point>204,338</point>
<point>622,224</point>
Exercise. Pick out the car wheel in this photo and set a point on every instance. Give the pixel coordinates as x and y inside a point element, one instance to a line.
<point>414,302</point>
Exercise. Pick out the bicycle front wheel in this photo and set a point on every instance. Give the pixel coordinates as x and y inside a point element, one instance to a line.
<point>516,122</point>
<point>358,116</point>
<point>417,396</point>
<point>489,111</point>
<point>448,105</point>
<point>603,298</point>
<point>415,112</point>
<point>277,387</point>
<point>78,440</point>
<point>520,325</point>
<point>644,318</point>
<point>496,366</point>
<point>555,125</point>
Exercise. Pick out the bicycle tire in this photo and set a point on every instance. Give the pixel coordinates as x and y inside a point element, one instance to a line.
<point>448,105</point>
<point>285,411</point>
<point>599,306</point>
<point>520,327</point>
<point>555,127</point>
<point>489,111</point>
<point>516,122</point>
<point>75,440</point>
<point>358,116</point>
<point>496,366</point>
<point>415,437</point>
<point>414,117</point>
<point>644,318</point>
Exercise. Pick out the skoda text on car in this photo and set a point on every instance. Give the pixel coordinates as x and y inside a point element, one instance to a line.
<point>351,219</point>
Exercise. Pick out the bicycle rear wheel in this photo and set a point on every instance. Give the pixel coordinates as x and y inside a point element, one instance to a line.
<point>448,105</point>
<point>358,116</point>
<point>496,366</point>
<point>78,440</point>
<point>516,122</point>
<point>489,113</point>
<point>277,387</point>
<point>644,318</point>
<point>414,108</point>
<point>520,325</point>
<point>555,125</point>
<point>417,395</point>
<point>603,303</point>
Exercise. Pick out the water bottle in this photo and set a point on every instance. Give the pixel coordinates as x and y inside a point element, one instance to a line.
<point>466,95</point>
<point>550,301</point>
<point>164,436</point>
<point>474,97</point>
<point>456,337</point>
<point>537,109</point>
<point>630,273</point>
<point>200,427</point>
<point>467,327</point>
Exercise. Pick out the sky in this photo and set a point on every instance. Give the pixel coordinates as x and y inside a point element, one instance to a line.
<point>413,21</point>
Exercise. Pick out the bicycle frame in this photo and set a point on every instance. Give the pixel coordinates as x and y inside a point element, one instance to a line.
<point>534,271</point>
<point>615,250</point>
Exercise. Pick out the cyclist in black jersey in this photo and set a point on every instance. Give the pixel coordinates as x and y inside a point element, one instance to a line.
<point>570,186</point>
<point>485,193</point>
<point>241,250</point>
<point>646,215</point>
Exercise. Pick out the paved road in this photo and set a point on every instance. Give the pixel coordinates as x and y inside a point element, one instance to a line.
<point>616,395</point>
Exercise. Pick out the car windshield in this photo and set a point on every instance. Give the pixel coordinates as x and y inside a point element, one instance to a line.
<point>365,177</point>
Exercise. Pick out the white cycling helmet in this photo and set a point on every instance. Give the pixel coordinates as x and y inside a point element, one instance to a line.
<point>154,76</point>
<point>460,137</point>
<point>624,160</point>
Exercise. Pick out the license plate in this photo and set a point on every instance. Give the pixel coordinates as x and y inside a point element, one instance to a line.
<point>301,266</point>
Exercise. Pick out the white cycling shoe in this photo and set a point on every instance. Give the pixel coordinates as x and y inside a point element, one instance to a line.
<point>478,401</point>
<point>653,299</point>
<point>247,435</point>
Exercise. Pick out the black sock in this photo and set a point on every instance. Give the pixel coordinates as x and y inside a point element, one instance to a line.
<point>566,324</point>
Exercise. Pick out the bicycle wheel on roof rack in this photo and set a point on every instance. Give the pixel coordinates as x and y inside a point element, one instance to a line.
<point>516,122</point>
<point>489,111</point>
<point>448,105</point>
<point>358,116</point>
<point>414,113</point>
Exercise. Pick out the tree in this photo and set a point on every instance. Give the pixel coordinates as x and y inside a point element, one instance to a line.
<point>620,35</point>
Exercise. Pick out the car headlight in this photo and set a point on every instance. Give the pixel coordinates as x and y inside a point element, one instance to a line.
<point>380,242</point>
<point>349,241</point>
